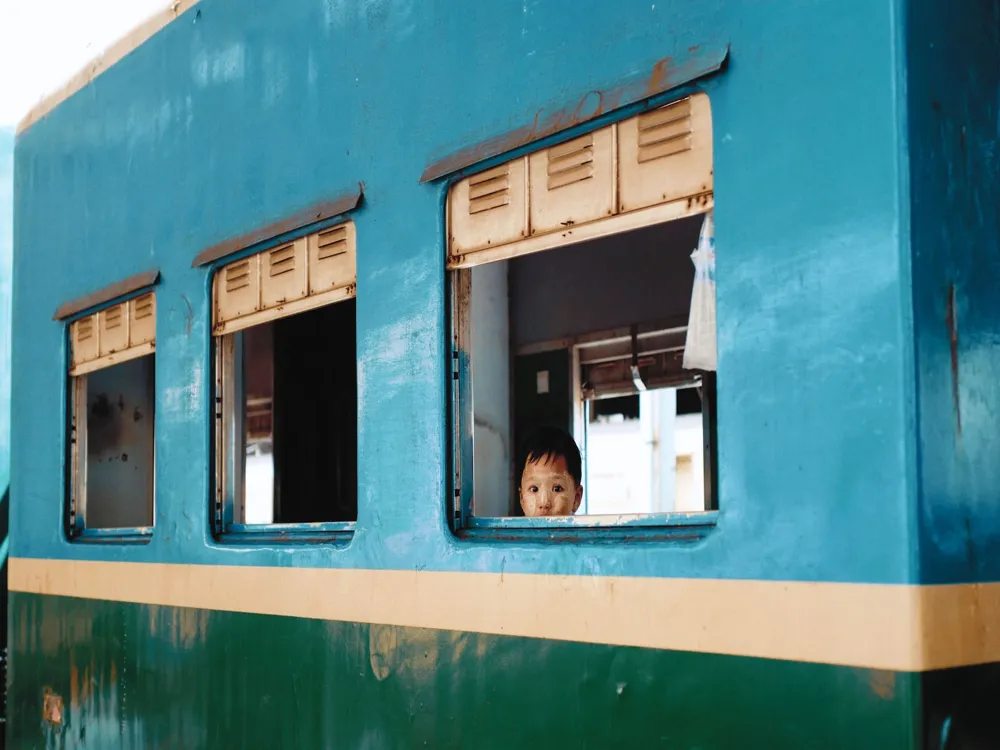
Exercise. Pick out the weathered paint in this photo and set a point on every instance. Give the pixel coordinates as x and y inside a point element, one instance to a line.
<point>901,628</point>
<point>665,75</point>
<point>192,159</point>
<point>856,192</point>
<point>283,229</point>
<point>108,294</point>
<point>136,676</point>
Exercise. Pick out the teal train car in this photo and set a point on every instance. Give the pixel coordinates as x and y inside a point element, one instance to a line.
<point>294,281</point>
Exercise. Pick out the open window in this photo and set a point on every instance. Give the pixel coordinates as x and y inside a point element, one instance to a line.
<point>112,396</point>
<point>571,280</point>
<point>286,390</point>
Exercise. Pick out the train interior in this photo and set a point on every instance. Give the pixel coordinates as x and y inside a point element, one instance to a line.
<point>590,337</point>
<point>298,424</point>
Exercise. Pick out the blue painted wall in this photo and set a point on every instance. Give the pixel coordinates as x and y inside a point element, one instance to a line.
<point>241,113</point>
<point>6,260</point>
<point>953,106</point>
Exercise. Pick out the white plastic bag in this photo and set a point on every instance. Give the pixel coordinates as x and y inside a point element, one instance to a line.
<point>700,348</point>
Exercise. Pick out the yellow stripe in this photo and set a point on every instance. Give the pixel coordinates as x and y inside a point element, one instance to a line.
<point>877,626</point>
<point>100,64</point>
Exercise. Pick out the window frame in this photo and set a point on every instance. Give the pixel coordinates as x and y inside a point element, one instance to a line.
<point>75,494</point>
<point>224,502</point>
<point>461,424</point>
<point>460,416</point>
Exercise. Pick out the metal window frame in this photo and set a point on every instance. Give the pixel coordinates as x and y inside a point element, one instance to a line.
<point>462,465</point>
<point>228,496</point>
<point>76,503</point>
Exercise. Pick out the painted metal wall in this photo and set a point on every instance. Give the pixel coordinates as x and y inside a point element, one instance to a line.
<point>953,110</point>
<point>235,116</point>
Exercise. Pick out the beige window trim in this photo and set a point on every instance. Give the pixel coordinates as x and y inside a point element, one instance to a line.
<point>310,272</point>
<point>649,169</point>
<point>114,334</point>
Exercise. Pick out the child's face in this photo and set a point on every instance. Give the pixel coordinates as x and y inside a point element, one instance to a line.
<point>547,489</point>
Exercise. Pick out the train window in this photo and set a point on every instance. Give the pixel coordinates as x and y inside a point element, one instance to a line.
<point>112,399</point>
<point>286,390</point>
<point>571,282</point>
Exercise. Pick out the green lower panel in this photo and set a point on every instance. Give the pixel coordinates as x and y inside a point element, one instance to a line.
<point>135,676</point>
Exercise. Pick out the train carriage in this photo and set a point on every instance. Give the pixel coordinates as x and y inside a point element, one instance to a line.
<point>293,281</point>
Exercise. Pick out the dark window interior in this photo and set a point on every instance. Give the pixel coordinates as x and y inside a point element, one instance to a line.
<point>305,366</point>
<point>119,445</point>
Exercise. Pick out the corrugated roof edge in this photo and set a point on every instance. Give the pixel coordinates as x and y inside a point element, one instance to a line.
<point>117,51</point>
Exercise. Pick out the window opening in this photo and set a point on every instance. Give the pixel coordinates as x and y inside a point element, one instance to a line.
<point>576,307</point>
<point>286,437</point>
<point>112,435</point>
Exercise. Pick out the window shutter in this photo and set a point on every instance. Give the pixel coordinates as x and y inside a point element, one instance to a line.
<point>666,154</point>
<point>572,183</point>
<point>489,209</point>
<point>237,289</point>
<point>283,274</point>
<point>113,325</point>
<point>83,340</point>
<point>332,259</point>
<point>142,320</point>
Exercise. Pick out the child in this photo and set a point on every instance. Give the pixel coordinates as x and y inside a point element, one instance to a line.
<point>550,478</point>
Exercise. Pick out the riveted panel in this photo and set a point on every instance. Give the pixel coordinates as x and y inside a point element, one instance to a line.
<point>489,209</point>
<point>237,289</point>
<point>142,320</point>
<point>572,183</point>
<point>83,340</point>
<point>332,259</point>
<point>283,274</point>
<point>666,154</point>
<point>113,325</point>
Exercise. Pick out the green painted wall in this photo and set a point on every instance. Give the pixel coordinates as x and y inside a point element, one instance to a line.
<point>135,676</point>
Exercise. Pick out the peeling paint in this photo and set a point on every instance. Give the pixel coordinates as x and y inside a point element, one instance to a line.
<point>666,74</point>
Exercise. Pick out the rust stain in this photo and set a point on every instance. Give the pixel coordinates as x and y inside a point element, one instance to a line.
<point>666,74</point>
<point>316,212</point>
<point>660,76</point>
<point>52,707</point>
<point>952,321</point>
<point>108,293</point>
<point>883,683</point>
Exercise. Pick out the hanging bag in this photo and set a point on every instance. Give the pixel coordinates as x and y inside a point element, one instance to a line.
<point>700,347</point>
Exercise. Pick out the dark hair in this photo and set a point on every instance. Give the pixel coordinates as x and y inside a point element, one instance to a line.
<point>549,443</point>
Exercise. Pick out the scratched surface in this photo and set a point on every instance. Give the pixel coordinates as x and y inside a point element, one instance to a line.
<point>954,131</point>
<point>138,677</point>
<point>234,118</point>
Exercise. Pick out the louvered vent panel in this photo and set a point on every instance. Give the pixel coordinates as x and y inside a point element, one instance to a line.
<point>142,323</point>
<point>83,340</point>
<point>237,289</point>
<point>571,162</point>
<point>332,259</point>
<point>285,277</point>
<point>666,155</point>
<point>489,209</point>
<point>332,242</point>
<point>113,323</point>
<point>665,132</point>
<point>573,182</point>
<point>489,190</point>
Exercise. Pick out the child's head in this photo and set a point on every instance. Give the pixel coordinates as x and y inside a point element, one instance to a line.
<point>550,476</point>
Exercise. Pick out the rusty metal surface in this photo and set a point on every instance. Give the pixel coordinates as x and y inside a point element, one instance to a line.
<point>108,293</point>
<point>666,74</point>
<point>317,212</point>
